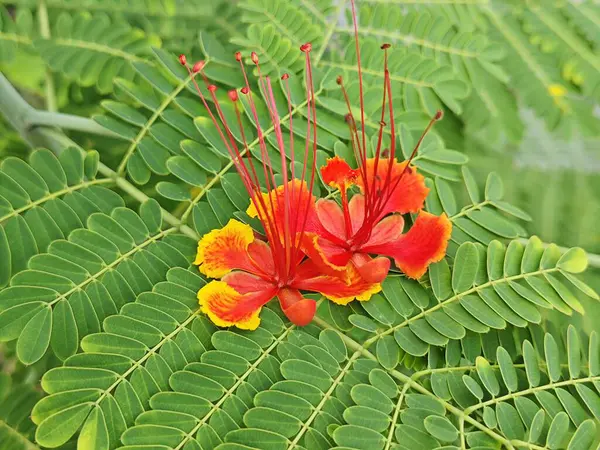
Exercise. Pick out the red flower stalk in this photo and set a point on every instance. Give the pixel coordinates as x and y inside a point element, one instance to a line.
<point>347,235</point>
<point>253,271</point>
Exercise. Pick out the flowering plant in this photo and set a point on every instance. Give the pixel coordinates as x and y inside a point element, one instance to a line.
<point>308,244</point>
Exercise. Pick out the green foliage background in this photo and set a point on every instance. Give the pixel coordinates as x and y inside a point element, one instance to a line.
<point>110,171</point>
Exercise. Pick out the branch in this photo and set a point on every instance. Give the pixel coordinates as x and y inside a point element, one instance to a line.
<point>19,114</point>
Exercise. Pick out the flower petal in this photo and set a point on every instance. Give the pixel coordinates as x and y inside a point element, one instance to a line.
<point>409,193</point>
<point>425,243</point>
<point>341,290</point>
<point>225,249</point>
<point>330,258</point>
<point>338,174</point>
<point>331,217</point>
<point>298,309</point>
<point>225,306</point>
<point>371,270</point>
<point>356,207</point>
<point>262,258</point>
<point>299,203</point>
<point>387,230</point>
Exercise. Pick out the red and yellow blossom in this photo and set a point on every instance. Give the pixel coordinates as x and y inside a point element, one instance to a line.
<point>371,222</point>
<point>254,268</point>
<point>250,278</point>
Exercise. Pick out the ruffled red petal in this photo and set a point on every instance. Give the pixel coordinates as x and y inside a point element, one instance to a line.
<point>409,193</point>
<point>338,174</point>
<point>425,243</point>
<point>292,202</point>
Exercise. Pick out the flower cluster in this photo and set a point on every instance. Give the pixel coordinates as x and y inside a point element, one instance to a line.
<point>340,250</point>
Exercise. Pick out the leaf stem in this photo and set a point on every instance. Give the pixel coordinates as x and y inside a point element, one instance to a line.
<point>17,112</point>
<point>66,122</point>
<point>406,379</point>
<point>42,12</point>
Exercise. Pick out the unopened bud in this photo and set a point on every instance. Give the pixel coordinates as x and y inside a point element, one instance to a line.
<point>245,90</point>
<point>212,87</point>
<point>339,80</point>
<point>385,46</point>
<point>439,114</point>
<point>182,59</point>
<point>254,57</point>
<point>285,76</point>
<point>238,56</point>
<point>233,95</point>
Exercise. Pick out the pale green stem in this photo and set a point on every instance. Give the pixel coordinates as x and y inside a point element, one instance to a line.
<point>17,111</point>
<point>66,122</point>
<point>51,103</point>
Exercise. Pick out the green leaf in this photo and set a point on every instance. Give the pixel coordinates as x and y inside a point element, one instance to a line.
<point>64,339</point>
<point>58,428</point>
<point>441,428</point>
<point>465,267</point>
<point>573,260</point>
<point>557,433</point>
<point>387,352</point>
<point>494,189</point>
<point>358,437</point>
<point>94,433</point>
<point>35,337</point>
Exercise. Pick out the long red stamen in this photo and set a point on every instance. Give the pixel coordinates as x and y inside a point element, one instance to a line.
<point>283,237</point>
<point>277,246</point>
<point>438,116</point>
<point>387,87</point>
<point>360,79</point>
<point>294,213</point>
<point>252,185</point>
<point>377,190</point>
<point>312,114</point>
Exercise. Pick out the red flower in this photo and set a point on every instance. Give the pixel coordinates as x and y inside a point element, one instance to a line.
<point>367,223</point>
<point>253,270</point>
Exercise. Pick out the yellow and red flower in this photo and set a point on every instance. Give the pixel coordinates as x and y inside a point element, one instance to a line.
<point>306,245</point>
<point>250,277</point>
<point>371,222</point>
<point>252,268</point>
<point>347,235</point>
